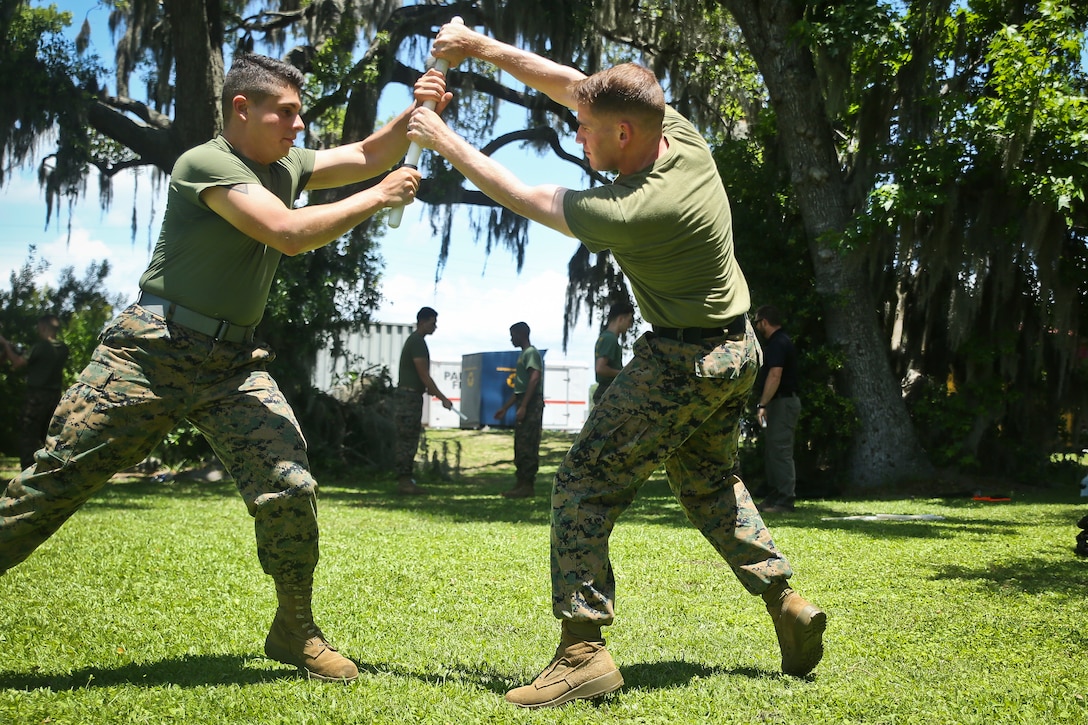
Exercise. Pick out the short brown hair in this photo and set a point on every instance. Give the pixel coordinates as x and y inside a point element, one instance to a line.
<point>628,90</point>
<point>257,77</point>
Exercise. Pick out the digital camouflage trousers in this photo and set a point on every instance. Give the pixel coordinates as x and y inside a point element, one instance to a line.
<point>678,405</point>
<point>145,377</point>
<point>527,441</point>
<point>408,420</point>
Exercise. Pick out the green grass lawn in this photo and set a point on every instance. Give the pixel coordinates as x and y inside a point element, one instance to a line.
<point>149,606</point>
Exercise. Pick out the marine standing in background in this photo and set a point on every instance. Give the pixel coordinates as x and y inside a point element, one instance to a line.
<point>607,353</point>
<point>413,382</point>
<point>528,396</point>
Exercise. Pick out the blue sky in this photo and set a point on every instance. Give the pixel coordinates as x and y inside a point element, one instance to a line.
<point>477,299</point>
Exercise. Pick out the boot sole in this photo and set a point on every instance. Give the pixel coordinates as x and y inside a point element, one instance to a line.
<point>808,644</point>
<point>597,687</point>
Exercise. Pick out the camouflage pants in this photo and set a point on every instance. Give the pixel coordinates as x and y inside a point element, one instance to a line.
<point>527,441</point>
<point>34,423</point>
<point>408,418</point>
<point>145,377</point>
<point>675,404</point>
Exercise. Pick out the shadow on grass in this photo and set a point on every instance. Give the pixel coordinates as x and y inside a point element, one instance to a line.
<point>645,676</point>
<point>189,671</point>
<point>1029,575</point>
<point>233,670</point>
<point>667,675</point>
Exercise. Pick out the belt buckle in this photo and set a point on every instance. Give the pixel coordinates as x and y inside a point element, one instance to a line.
<point>221,331</point>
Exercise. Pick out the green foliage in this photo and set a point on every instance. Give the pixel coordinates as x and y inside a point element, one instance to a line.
<point>183,447</point>
<point>44,74</point>
<point>353,431</point>
<point>83,306</point>
<point>767,231</point>
<point>963,133</point>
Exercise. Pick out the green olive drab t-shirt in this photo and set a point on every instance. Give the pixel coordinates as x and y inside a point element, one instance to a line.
<point>670,230</point>
<point>530,359</point>
<point>608,347</point>
<point>414,347</point>
<point>203,262</point>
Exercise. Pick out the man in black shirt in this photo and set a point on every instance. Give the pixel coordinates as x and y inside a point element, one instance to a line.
<point>778,409</point>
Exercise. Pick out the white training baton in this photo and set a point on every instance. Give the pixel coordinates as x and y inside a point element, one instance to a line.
<point>414,150</point>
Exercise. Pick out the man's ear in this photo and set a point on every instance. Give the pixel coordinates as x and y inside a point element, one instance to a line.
<point>240,104</point>
<point>625,132</point>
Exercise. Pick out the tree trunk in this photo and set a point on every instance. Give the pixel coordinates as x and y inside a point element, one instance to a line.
<point>885,448</point>
<point>196,32</point>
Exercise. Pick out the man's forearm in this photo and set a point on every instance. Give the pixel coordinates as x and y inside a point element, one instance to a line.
<point>551,78</point>
<point>542,203</point>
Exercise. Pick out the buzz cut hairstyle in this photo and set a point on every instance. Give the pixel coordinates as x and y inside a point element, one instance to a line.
<point>426,313</point>
<point>626,90</point>
<point>257,77</point>
<point>520,326</point>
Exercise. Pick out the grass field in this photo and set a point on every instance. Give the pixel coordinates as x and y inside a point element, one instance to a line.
<point>149,607</point>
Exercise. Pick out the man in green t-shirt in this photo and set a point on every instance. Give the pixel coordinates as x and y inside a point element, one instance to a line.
<point>678,402</point>
<point>528,395</point>
<point>413,382</point>
<point>186,349</point>
<point>44,383</point>
<point>607,353</point>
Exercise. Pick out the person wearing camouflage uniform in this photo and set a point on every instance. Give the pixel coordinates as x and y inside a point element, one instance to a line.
<point>186,349</point>
<point>44,383</point>
<point>678,402</point>
<point>413,382</point>
<point>528,395</point>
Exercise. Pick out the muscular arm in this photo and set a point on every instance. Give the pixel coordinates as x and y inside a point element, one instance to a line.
<point>770,387</point>
<point>543,203</point>
<point>423,369</point>
<point>455,42</point>
<point>260,214</point>
<point>603,369</point>
<point>351,163</point>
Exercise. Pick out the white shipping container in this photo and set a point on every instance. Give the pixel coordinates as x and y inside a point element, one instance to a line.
<point>447,376</point>
<point>566,396</point>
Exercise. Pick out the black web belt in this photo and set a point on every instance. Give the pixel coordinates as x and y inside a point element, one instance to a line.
<point>196,321</point>
<point>695,335</point>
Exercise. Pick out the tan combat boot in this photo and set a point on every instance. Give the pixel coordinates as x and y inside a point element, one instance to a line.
<point>800,629</point>
<point>581,669</point>
<point>295,640</point>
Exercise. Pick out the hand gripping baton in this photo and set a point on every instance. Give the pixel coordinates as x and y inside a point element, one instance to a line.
<point>414,150</point>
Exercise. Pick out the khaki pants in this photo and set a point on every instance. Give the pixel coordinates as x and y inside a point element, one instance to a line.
<point>778,436</point>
